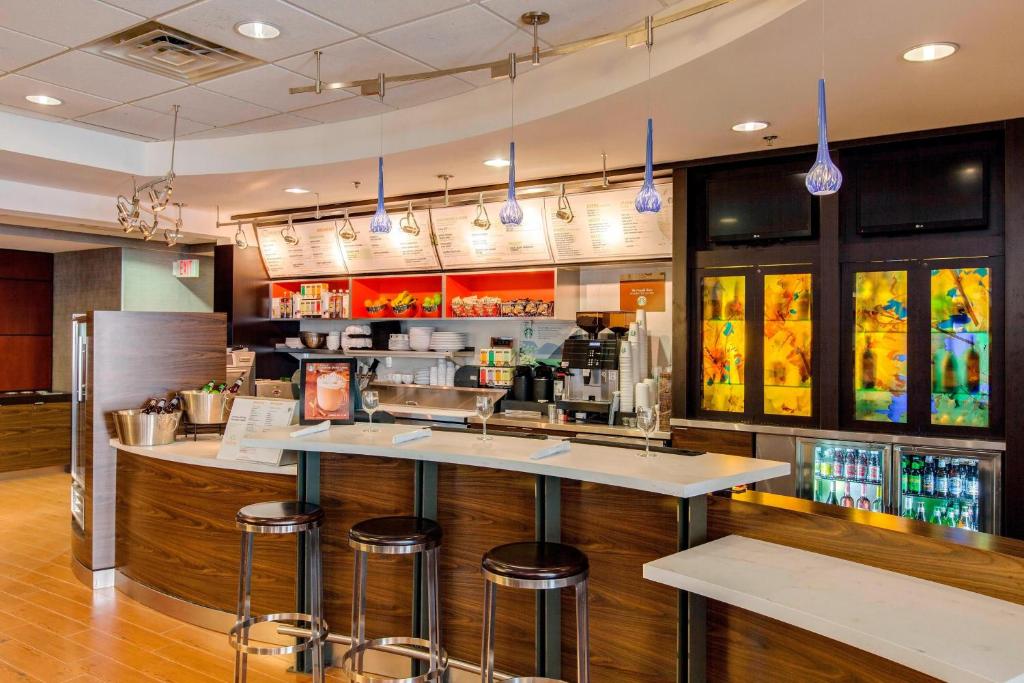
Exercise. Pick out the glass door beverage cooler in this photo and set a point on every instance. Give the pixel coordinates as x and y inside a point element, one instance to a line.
<point>953,487</point>
<point>848,473</point>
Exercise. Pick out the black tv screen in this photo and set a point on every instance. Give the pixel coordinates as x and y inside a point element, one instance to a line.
<point>923,193</point>
<point>759,207</point>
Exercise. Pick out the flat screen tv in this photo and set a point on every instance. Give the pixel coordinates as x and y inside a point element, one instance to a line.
<point>761,207</point>
<point>926,192</point>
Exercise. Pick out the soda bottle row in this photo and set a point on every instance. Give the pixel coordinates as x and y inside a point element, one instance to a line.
<point>940,477</point>
<point>215,387</point>
<point>958,514</point>
<point>154,406</point>
<point>862,502</point>
<point>849,464</point>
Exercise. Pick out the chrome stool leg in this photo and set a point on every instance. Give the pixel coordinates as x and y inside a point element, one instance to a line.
<point>582,633</point>
<point>359,608</point>
<point>244,604</point>
<point>316,603</point>
<point>487,650</point>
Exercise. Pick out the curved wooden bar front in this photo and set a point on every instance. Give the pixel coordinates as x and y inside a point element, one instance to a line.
<point>177,546</point>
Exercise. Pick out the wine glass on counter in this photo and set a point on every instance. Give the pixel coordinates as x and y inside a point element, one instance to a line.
<point>484,409</point>
<point>647,421</point>
<point>371,401</point>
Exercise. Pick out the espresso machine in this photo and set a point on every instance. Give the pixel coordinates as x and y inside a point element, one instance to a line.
<point>591,368</point>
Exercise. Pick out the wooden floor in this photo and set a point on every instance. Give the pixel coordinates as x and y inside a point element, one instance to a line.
<point>52,628</point>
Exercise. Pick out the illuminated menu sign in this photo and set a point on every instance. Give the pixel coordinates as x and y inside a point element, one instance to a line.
<point>407,247</point>
<point>605,226</point>
<point>471,237</point>
<point>316,253</point>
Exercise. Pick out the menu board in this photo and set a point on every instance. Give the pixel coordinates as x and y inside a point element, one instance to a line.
<point>403,249</point>
<point>607,227</point>
<point>317,252</point>
<point>462,244</point>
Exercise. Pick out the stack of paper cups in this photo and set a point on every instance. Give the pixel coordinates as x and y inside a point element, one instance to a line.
<point>641,324</point>
<point>643,395</point>
<point>626,388</point>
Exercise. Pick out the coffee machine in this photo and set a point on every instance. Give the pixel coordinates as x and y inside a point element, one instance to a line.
<point>591,369</point>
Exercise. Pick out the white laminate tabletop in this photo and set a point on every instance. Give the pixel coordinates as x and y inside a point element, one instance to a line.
<point>946,632</point>
<point>673,475</point>
<point>202,452</point>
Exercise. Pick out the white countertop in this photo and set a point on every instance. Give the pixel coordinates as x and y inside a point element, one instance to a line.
<point>537,422</point>
<point>673,475</point>
<point>942,631</point>
<point>202,452</point>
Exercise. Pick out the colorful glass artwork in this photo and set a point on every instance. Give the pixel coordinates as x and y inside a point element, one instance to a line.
<point>787,345</point>
<point>723,343</point>
<point>960,346</point>
<point>880,346</point>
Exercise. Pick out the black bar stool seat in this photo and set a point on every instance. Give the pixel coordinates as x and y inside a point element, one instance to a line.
<point>279,513</point>
<point>280,517</point>
<point>396,536</point>
<point>532,561</point>
<point>535,565</point>
<point>403,534</point>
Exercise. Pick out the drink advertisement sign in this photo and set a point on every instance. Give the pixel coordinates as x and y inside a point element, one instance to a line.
<point>328,390</point>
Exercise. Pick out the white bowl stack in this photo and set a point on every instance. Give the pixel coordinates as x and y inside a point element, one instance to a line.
<point>448,341</point>
<point>422,376</point>
<point>419,338</point>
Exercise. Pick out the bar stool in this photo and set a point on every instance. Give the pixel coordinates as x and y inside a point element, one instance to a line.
<point>395,536</point>
<point>280,517</point>
<point>535,566</point>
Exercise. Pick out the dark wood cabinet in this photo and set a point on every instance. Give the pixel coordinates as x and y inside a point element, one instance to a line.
<point>34,435</point>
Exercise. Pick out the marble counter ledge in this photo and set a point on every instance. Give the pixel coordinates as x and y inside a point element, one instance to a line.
<point>946,632</point>
<point>203,453</point>
<point>674,475</point>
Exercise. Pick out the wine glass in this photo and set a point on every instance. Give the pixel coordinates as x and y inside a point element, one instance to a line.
<point>484,409</point>
<point>647,421</point>
<point>371,401</point>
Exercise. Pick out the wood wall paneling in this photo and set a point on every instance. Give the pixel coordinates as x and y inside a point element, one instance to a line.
<point>1013,472</point>
<point>633,622</point>
<point>354,488</point>
<point>27,307</point>
<point>25,362</point>
<point>26,265</point>
<point>744,646</point>
<point>15,437</point>
<point>714,440</point>
<point>176,532</point>
<point>51,434</point>
<point>479,509</point>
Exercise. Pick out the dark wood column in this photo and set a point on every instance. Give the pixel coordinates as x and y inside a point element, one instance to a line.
<point>1013,521</point>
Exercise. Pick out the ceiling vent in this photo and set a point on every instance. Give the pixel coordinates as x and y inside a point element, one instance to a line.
<point>170,52</point>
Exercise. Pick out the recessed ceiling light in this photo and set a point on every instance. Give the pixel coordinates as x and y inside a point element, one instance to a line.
<point>296,190</point>
<point>44,100</point>
<point>496,163</point>
<point>258,30</point>
<point>929,52</point>
<point>750,126</point>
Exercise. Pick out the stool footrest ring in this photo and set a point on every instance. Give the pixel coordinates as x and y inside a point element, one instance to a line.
<point>348,661</point>
<point>234,634</point>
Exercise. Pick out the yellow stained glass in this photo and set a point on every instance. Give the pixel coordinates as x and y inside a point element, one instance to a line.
<point>880,346</point>
<point>960,310</point>
<point>787,344</point>
<point>723,343</point>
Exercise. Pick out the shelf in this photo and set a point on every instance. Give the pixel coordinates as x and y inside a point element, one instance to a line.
<point>957,499</point>
<point>869,482</point>
<point>375,353</point>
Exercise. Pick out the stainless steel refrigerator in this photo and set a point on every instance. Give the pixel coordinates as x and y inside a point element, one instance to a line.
<point>956,487</point>
<point>120,359</point>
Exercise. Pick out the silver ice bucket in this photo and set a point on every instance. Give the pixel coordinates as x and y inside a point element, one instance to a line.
<point>136,428</point>
<point>207,409</point>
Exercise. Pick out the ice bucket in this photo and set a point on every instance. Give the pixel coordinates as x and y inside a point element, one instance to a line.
<point>207,409</point>
<point>136,428</point>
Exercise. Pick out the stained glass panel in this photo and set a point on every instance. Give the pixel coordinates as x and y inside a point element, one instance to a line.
<point>723,343</point>
<point>880,346</point>
<point>960,346</point>
<point>787,344</point>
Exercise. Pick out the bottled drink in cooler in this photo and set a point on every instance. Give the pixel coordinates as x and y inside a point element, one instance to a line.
<point>832,500</point>
<point>908,507</point>
<point>824,462</point>
<point>864,503</point>
<point>838,463</point>
<point>862,465</point>
<point>847,500</point>
<point>850,465</point>
<point>919,515</point>
<point>939,516</point>
<point>905,476</point>
<point>972,485</point>
<point>915,477</point>
<point>928,477</point>
<point>173,406</point>
<point>941,479</point>
<point>956,484</point>
<point>874,468</point>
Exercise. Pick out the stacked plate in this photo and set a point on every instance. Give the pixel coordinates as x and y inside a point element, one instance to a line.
<point>422,376</point>
<point>399,342</point>
<point>419,338</point>
<point>448,341</point>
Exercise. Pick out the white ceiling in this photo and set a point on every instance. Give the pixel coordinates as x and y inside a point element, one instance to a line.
<point>767,73</point>
<point>41,41</point>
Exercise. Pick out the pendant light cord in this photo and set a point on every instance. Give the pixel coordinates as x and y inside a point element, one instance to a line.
<point>823,38</point>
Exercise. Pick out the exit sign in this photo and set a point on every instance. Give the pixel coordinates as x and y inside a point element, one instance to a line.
<point>186,268</point>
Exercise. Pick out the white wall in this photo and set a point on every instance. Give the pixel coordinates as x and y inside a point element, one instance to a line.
<point>148,284</point>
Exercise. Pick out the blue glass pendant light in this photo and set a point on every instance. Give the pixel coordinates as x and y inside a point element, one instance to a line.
<point>824,177</point>
<point>381,222</point>
<point>648,200</point>
<point>511,213</point>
